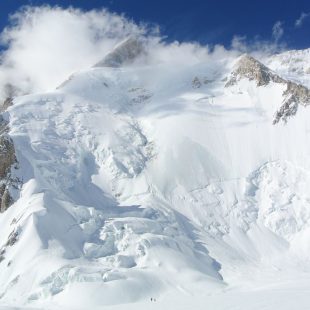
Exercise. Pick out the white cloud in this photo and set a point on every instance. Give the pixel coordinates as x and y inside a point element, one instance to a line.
<point>239,43</point>
<point>299,22</point>
<point>256,46</point>
<point>277,31</point>
<point>44,45</point>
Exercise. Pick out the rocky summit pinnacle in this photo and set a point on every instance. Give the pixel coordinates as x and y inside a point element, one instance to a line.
<point>124,53</point>
<point>250,68</point>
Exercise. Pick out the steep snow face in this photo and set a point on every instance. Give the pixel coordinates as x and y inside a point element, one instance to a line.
<point>142,180</point>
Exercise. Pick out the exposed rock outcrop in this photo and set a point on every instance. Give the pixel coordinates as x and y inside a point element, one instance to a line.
<point>8,161</point>
<point>139,95</point>
<point>12,239</point>
<point>298,92</point>
<point>196,83</point>
<point>6,103</point>
<point>288,109</point>
<point>123,54</point>
<point>295,94</point>
<point>253,70</point>
<point>250,68</point>
<point>199,82</point>
<point>7,156</point>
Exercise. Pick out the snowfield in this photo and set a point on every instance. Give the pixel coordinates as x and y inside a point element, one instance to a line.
<point>159,182</point>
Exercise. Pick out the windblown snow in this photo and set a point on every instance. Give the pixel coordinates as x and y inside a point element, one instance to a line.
<point>147,181</point>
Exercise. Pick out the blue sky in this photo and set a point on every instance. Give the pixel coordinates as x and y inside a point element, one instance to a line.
<point>205,21</point>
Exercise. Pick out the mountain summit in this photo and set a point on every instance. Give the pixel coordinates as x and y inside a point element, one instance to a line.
<point>153,183</point>
<point>295,93</point>
<point>124,53</point>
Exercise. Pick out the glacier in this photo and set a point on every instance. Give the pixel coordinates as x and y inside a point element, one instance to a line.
<point>147,181</point>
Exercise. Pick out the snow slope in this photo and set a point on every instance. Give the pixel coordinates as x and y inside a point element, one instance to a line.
<point>150,181</point>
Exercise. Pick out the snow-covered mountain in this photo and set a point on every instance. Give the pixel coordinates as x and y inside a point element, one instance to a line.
<point>134,181</point>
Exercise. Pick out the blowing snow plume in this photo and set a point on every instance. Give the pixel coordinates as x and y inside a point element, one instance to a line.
<point>44,45</point>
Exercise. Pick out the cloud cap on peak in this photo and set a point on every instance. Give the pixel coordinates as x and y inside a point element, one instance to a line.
<point>44,45</point>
